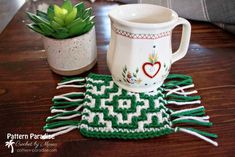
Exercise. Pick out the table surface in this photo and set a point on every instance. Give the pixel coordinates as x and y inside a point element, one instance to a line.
<point>27,86</point>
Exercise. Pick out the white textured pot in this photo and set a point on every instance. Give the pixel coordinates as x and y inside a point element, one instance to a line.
<point>72,56</point>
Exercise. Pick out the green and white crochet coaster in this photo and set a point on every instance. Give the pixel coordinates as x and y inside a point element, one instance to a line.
<point>108,111</point>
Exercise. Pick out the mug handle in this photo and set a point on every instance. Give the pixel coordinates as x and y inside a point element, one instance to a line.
<point>185,38</point>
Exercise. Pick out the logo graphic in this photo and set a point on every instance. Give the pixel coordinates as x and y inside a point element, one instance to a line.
<point>9,144</point>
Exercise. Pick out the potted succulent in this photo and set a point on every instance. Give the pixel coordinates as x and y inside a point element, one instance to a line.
<point>68,36</point>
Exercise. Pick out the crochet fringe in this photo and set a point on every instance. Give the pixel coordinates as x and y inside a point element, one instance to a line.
<point>177,90</point>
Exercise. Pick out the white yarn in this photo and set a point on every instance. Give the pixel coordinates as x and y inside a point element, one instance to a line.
<point>66,94</point>
<point>70,128</point>
<point>108,127</point>
<point>186,93</point>
<point>176,112</point>
<point>201,119</point>
<point>65,98</point>
<point>180,88</point>
<point>66,86</point>
<point>184,103</point>
<point>103,88</point>
<point>104,129</point>
<point>94,81</point>
<point>60,110</point>
<point>58,129</point>
<point>71,81</point>
<point>198,135</point>
<point>67,117</point>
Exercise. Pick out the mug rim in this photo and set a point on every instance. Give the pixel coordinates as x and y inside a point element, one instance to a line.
<point>113,16</point>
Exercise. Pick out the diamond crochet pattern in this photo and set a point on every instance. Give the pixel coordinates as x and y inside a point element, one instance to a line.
<point>111,112</point>
<point>107,111</point>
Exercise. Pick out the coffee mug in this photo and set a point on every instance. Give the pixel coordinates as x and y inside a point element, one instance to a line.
<point>140,52</point>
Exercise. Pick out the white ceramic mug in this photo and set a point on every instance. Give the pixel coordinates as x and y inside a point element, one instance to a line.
<point>140,52</point>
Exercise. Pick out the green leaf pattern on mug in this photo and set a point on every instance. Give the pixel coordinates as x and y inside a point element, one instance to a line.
<point>130,77</point>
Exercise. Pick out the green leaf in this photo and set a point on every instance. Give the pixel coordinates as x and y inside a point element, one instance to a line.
<point>76,28</point>
<point>59,21</point>
<point>63,30</point>
<point>60,12</point>
<point>42,14</point>
<point>80,9</point>
<point>61,33</point>
<point>87,13</point>
<point>78,21</point>
<point>86,20</point>
<point>50,12</point>
<point>62,22</point>
<point>48,31</point>
<point>55,25</point>
<point>91,19</point>
<point>71,16</point>
<point>88,27</point>
<point>67,5</point>
<point>37,19</point>
<point>35,28</point>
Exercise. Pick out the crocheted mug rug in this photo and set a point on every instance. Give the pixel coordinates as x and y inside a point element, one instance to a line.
<point>108,111</point>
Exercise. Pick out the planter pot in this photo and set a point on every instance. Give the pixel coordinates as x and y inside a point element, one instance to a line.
<point>71,56</point>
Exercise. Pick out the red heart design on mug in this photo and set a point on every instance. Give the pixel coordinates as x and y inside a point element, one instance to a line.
<point>150,69</point>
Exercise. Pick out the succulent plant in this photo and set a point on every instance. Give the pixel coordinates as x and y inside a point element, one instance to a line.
<point>62,22</point>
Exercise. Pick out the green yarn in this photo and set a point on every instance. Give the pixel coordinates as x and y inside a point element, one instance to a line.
<point>68,96</point>
<point>111,112</point>
<point>66,79</point>
<point>172,84</point>
<point>187,112</point>
<point>192,121</point>
<point>128,135</point>
<point>62,114</point>
<point>74,104</point>
<point>178,76</point>
<point>59,103</point>
<point>203,133</point>
<point>124,128</point>
<point>181,98</point>
<point>61,123</point>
